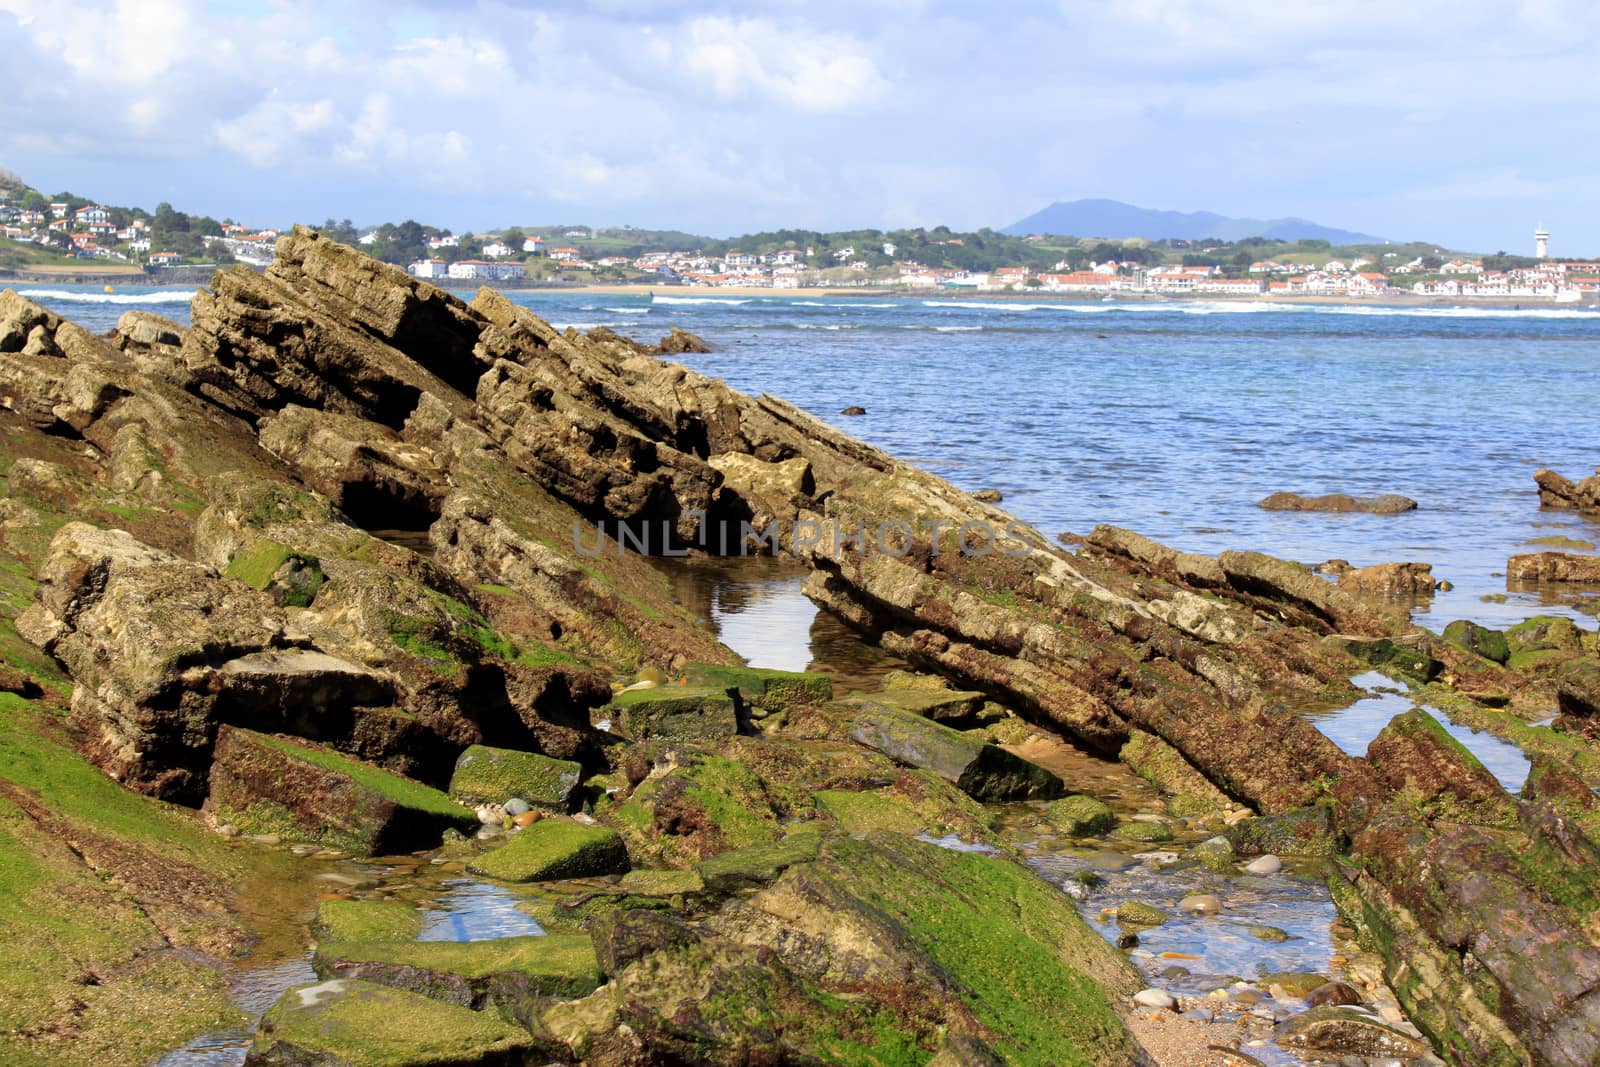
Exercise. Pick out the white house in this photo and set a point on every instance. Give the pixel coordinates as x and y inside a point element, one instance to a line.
<point>466,269</point>
<point>497,250</point>
<point>565,255</point>
<point>428,268</point>
<point>534,245</point>
<point>366,240</point>
<point>888,249</point>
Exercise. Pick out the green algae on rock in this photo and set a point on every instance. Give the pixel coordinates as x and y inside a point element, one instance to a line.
<point>1189,793</point>
<point>769,690</point>
<point>502,971</point>
<point>759,864</point>
<point>984,770</point>
<point>265,784</point>
<point>1081,816</point>
<point>552,849</point>
<point>675,713</point>
<point>363,1024</point>
<point>366,920</point>
<point>485,775</point>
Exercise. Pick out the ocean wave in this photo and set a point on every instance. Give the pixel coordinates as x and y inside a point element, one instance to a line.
<point>66,297</point>
<point>826,326</point>
<point>833,304</point>
<point>690,300</point>
<point>1459,312</point>
<point>626,311</point>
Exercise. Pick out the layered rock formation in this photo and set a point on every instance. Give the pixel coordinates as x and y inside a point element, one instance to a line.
<point>351,508</point>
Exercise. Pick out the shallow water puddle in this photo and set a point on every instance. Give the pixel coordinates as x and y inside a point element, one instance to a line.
<point>1352,728</point>
<point>470,910</point>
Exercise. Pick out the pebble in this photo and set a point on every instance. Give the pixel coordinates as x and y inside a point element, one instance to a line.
<point>489,814</point>
<point>1332,993</point>
<point>1268,864</point>
<point>1201,904</point>
<point>515,806</point>
<point>527,818</point>
<point>1268,933</point>
<point>1154,998</point>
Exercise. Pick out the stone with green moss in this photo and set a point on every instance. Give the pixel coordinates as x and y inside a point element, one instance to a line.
<point>1479,640</point>
<point>363,1024</point>
<point>1081,816</point>
<point>1133,915</point>
<point>662,883</point>
<point>984,770</point>
<point>1306,831</point>
<point>1294,983</point>
<point>552,849</point>
<point>1214,854</point>
<point>366,920</point>
<point>1545,633</point>
<point>703,805</point>
<point>1023,963</point>
<point>1147,832</point>
<point>1271,934</point>
<point>948,706</point>
<point>469,973</point>
<point>1189,793</point>
<point>917,801</point>
<point>1415,755</point>
<point>486,775</point>
<point>759,864</point>
<point>769,690</point>
<point>306,792</point>
<point>292,578</point>
<point>675,713</point>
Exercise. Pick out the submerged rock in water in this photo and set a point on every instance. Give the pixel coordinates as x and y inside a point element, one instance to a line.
<point>1553,567</point>
<point>1387,504</point>
<point>1390,579</point>
<point>1339,1032</point>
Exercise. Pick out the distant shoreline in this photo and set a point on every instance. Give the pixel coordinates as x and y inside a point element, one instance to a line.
<point>132,276</point>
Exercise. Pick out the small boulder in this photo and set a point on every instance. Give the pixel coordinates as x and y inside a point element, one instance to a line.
<point>1201,904</point>
<point>1332,993</point>
<point>266,784</point>
<point>633,935</point>
<point>553,849</point>
<point>1154,998</point>
<point>983,770</point>
<point>1479,640</point>
<point>1390,579</point>
<point>485,775</point>
<point>762,688</point>
<point>988,496</point>
<point>1335,1031</point>
<point>1147,832</point>
<point>1553,567</point>
<point>1268,864</point>
<point>502,971</point>
<point>675,713</point>
<point>1304,831</point>
<point>854,409</point>
<point>1081,816</point>
<point>758,864</point>
<point>346,1021</point>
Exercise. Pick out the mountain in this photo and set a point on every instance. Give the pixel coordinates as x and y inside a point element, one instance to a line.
<point>1112,218</point>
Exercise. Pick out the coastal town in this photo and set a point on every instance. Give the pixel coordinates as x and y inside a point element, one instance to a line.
<point>86,231</point>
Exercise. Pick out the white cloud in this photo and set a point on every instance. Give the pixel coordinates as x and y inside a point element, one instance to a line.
<point>806,71</point>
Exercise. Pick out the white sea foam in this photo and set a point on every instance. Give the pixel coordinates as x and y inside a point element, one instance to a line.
<point>165,296</point>
<point>689,300</point>
<point>626,311</point>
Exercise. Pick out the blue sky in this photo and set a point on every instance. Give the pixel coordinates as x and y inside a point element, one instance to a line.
<point>1461,122</point>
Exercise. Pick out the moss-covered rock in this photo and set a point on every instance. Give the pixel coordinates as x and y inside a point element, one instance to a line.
<point>1331,1031</point>
<point>983,770</point>
<point>1415,755</point>
<point>1146,832</point>
<point>699,806</point>
<point>306,792</point>
<point>961,935</point>
<point>720,1004</point>
<point>470,974</point>
<point>915,802</point>
<point>1189,793</point>
<point>762,688</point>
<point>1479,640</point>
<point>1214,854</point>
<point>552,849</point>
<point>362,1024</point>
<point>1081,816</point>
<point>949,706</point>
<point>1133,915</point>
<point>291,578</point>
<point>675,713</point>
<point>486,775</point>
<point>366,920</point>
<point>759,864</point>
<point>1545,633</point>
<point>1307,831</point>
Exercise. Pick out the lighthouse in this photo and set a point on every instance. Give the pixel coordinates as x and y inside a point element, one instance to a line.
<point>1541,242</point>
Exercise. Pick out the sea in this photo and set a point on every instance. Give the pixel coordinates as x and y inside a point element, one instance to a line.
<point>1169,418</point>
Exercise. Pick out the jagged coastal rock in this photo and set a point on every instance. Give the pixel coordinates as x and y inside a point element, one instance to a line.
<point>356,566</point>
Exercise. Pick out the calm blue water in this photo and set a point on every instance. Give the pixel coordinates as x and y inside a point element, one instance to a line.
<point>1170,418</point>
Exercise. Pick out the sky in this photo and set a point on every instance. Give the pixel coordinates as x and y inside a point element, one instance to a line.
<point>1465,123</point>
